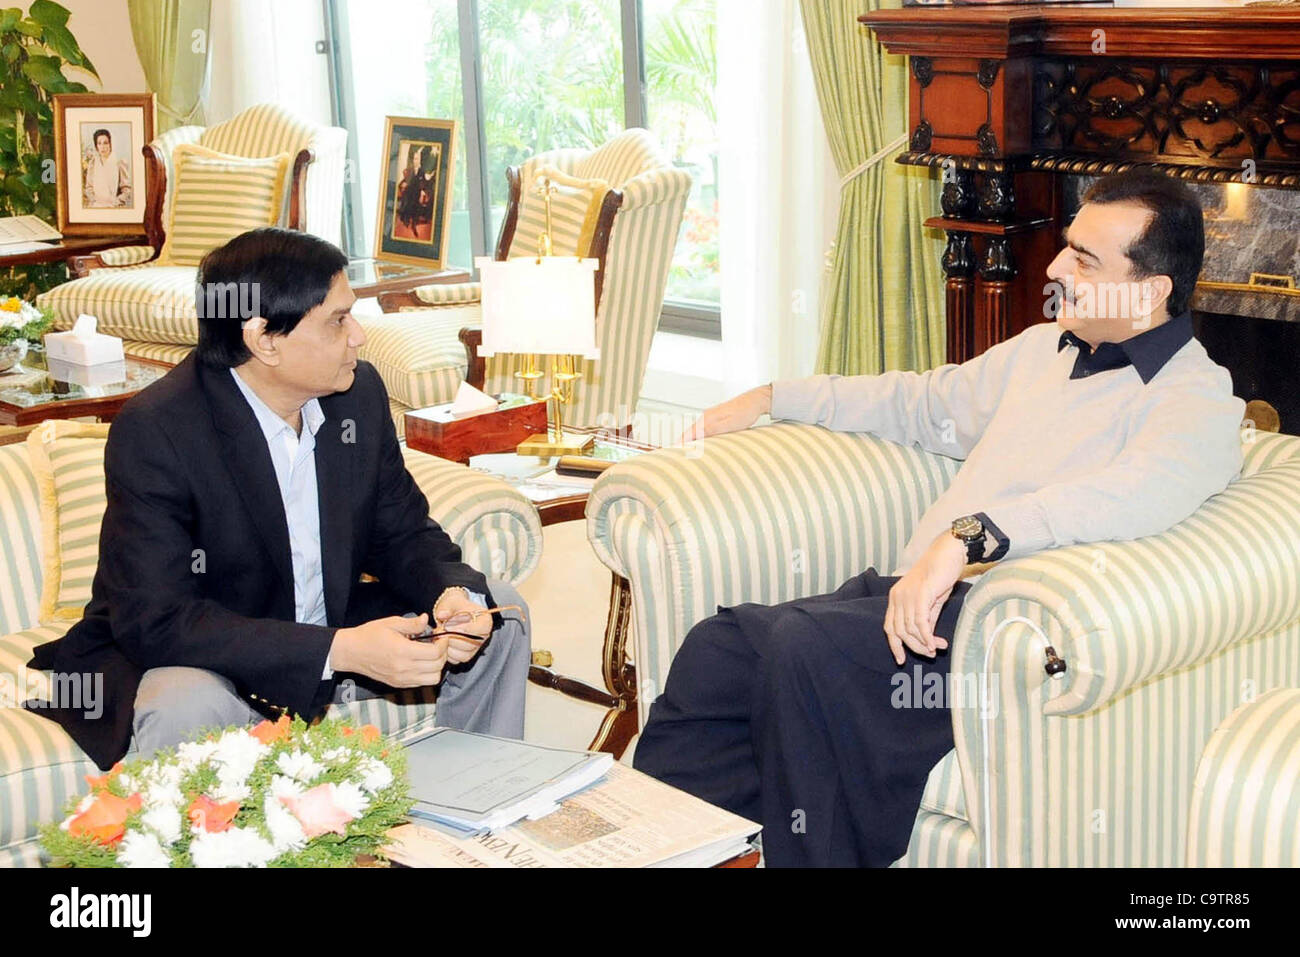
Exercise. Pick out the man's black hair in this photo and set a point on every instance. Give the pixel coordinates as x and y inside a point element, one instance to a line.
<point>1173,243</point>
<point>278,274</point>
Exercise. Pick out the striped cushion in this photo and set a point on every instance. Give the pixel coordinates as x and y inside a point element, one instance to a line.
<point>575,207</point>
<point>217,197</point>
<point>418,354</point>
<point>68,461</point>
<point>267,129</point>
<point>20,539</point>
<point>149,303</point>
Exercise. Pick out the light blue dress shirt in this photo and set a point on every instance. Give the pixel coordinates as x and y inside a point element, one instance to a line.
<point>294,459</point>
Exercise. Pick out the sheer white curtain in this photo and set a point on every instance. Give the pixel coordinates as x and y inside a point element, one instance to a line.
<point>778,193</point>
<point>266,53</point>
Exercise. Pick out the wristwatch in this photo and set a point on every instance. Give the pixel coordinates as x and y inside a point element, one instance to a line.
<point>969,530</point>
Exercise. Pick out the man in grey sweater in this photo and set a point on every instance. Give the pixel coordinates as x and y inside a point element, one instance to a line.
<point>1110,423</point>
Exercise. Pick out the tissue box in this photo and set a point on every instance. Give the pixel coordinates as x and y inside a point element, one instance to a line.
<point>82,345</point>
<point>436,431</point>
<point>86,376</point>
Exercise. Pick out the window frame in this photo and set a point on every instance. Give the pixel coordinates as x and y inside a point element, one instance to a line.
<point>683,317</point>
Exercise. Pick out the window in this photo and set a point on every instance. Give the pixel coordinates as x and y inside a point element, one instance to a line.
<point>537,75</point>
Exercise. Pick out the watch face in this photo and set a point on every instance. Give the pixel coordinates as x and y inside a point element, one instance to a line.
<point>968,526</point>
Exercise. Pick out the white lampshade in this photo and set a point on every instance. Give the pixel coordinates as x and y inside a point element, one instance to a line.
<point>546,307</point>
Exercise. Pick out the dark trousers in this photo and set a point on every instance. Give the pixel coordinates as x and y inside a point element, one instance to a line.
<point>796,716</point>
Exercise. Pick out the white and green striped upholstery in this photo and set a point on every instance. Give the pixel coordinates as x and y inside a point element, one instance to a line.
<point>217,197</point>
<point>40,767</point>
<point>420,363</point>
<point>1246,798</point>
<point>155,303</point>
<point>636,274</point>
<point>126,255</point>
<point>1163,636</point>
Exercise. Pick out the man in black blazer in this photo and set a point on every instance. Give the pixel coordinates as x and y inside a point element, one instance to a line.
<point>248,491</point>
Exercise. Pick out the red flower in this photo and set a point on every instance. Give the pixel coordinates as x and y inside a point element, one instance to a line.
<point>105,819</point>
<point>210,816</point>
<point>269,733</point>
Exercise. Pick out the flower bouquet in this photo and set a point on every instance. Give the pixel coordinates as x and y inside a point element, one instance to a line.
<point>21,324</point>
<point>280,794</point>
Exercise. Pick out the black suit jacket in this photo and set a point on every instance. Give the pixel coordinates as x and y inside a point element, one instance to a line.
<point>194,561</point>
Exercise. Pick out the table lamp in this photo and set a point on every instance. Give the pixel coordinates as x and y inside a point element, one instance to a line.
<point>543,306</point>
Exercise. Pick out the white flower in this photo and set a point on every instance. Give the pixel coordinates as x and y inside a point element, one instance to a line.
<point>142,849</point>
<point>336,755</point>
<point>129,783</point>
<point>299,766</point>
<point>286,833</point>
<point>236,847</point>
<point>375,775</point>
<point>165,821</point>
<point>235,757</point>
<point>193,753</point>
<point>284,787</point>
<point>350,799</point>
<point>161,796</point>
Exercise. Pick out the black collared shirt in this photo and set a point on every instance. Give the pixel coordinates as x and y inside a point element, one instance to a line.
<point>1147,352</point>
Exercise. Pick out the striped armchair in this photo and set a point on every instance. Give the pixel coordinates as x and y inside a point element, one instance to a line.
<point>40,767</point>
<point>419,352</point>
<point>149,303</point>
<point>1164,636</point>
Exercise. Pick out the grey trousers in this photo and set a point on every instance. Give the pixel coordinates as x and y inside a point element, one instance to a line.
<point>486,694</point>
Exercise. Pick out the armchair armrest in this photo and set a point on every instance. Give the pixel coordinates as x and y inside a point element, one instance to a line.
<point>1122,612</point>
<point>1247,788</point>
<point>115,258</point>
<point>431,296</point>
<point>765,515</point>
<point>496,527</point>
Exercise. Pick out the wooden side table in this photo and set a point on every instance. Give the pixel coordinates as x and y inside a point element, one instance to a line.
<point>370,277</point>
<point>67,248</point>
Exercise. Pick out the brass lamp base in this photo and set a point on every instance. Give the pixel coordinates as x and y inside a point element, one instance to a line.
<point>544,445</point>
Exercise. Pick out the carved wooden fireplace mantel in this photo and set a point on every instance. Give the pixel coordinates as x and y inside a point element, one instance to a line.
<point>1002,99</point>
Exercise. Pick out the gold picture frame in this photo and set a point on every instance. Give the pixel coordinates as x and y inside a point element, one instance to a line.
<point>99,167</point>
<point>416,171</point>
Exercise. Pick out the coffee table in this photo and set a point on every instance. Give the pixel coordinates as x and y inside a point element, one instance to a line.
<point>29,393</point>
<point>558,499</point>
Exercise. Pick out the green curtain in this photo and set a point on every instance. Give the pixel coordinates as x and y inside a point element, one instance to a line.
<point>882,300</point>
<point>172,41</point>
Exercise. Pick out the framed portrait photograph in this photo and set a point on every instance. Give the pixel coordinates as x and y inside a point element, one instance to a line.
<point>99,140</point>
<point>413,221</point>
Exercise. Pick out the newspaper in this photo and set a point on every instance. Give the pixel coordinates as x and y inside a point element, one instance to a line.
<point>628,820</point>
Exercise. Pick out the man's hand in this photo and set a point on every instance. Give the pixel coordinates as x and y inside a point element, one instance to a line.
<point>456,612</point>
<point>732,415</point>
<point>382,649</point>
<point>917,598</point>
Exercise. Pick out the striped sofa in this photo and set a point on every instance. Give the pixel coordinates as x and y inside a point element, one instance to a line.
<point>149,303</point>
<point>422,361</point>
<point>1164,636</point>
<point>40,766</point>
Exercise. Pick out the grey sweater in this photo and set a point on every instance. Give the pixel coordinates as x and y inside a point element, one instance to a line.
<point>1052,460</point>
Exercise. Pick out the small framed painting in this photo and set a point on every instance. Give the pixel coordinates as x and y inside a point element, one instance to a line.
<point>413,221</point>
<point>99,141</point>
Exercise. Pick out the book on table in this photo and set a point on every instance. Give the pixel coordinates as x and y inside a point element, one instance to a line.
<point>491,802</point>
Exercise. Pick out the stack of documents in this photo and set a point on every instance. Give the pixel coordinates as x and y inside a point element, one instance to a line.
<point>468,784</point>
